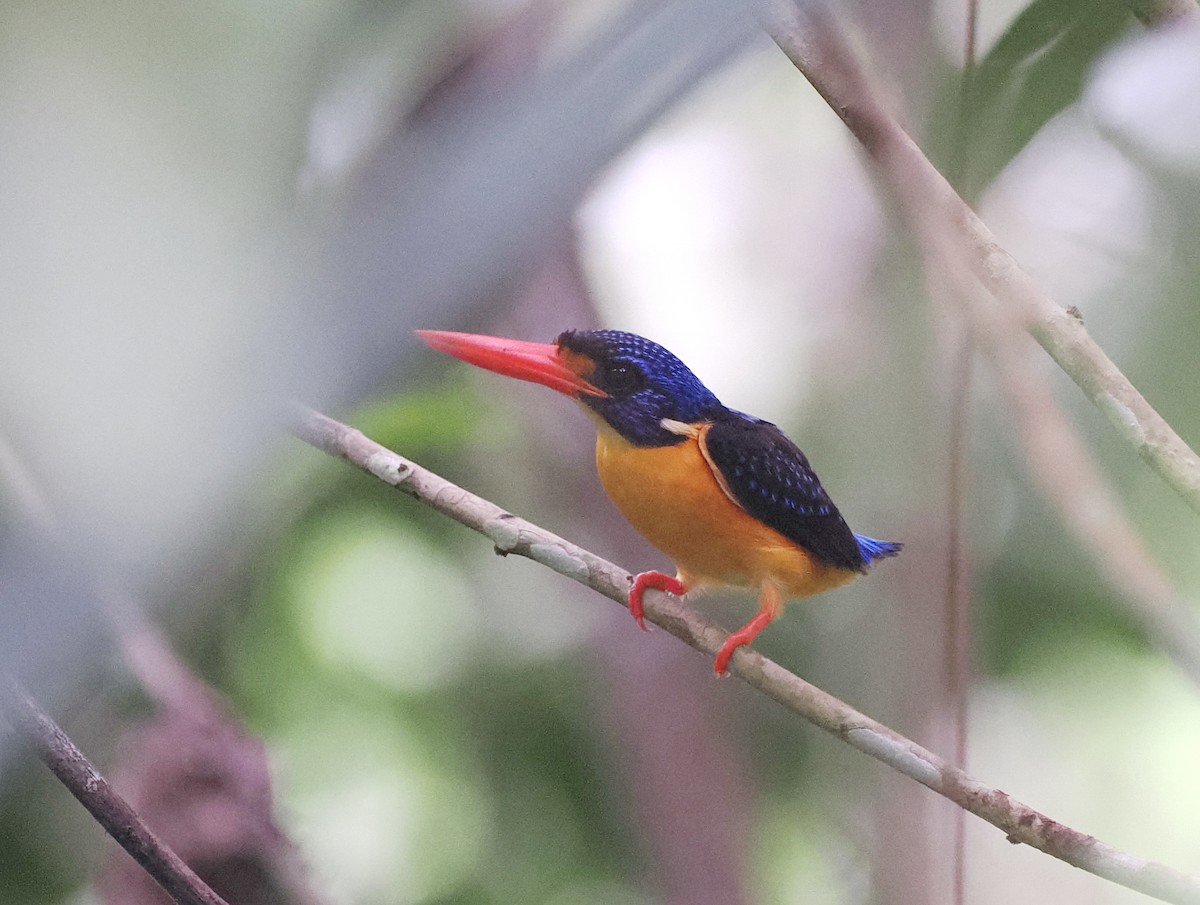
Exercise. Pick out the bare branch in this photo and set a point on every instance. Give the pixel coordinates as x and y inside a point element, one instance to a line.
<point>191,735</point>
<point>971,270</point>
<point>811,42</point>
<point>511,534</point>
<point>111,811</point>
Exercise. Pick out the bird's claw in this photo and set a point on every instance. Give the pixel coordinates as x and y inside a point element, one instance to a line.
<point>657,580</point>
<point>724,655</point>
<point>745,634</point>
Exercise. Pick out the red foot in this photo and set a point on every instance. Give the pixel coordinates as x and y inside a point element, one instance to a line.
<point>742,636</point>
<point>657,580</point>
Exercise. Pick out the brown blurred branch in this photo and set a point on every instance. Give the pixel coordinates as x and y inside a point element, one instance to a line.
<point>511,534</point>
<point>111,811</point>
<point>971,270</point>
<point>192,757</point>
<point>812,42</point>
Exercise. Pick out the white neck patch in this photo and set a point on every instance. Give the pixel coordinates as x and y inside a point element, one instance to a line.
<point>681,428</point>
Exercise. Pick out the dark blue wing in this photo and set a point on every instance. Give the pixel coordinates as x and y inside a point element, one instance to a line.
<point>769,477</point>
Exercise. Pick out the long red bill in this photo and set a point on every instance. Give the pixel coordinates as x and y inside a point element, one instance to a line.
<point>535,362</point>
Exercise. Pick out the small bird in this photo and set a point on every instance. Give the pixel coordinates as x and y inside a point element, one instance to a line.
<point>728,497</point>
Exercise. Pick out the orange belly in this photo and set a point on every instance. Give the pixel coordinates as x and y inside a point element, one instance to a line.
<point>669,494</point>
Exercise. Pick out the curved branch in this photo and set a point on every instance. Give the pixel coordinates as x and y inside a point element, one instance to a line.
<point>510,534</point>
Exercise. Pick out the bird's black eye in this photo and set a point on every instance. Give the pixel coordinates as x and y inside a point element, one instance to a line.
<point>621,379</point>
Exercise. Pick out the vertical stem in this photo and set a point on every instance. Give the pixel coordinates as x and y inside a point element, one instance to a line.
<point>958,601</point>
<point>957,654</point>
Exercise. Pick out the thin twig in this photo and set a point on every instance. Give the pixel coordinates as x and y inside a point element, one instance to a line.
<point>111,811</point>
<point>957,651</point>
<point>958,590</point>
<point>166,680</point>
<point>510,534</point>
<point>962,254</point>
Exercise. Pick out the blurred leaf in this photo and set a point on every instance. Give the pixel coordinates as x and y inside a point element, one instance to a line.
<point>391,805</point>
<point>1030,613</point>
<point>1034,29</point>
<point>1035,70</point>
<point>361,584</point>
<point>38,821</point>
<point>441,414</point>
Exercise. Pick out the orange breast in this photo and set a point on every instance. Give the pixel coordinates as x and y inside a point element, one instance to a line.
<point>669,494</point>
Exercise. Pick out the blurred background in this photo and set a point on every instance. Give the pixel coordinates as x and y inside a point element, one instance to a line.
<point>323,692</point>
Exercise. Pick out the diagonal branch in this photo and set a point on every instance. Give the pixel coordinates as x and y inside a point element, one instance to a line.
<point>111,811</point>
<point>511,534</point>
<point>968,267</point>
<point>210,742</point>
<point>812,43</point>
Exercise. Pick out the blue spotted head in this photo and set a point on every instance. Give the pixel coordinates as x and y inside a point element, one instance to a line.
<point>633,384</point>
<point>643,384</point>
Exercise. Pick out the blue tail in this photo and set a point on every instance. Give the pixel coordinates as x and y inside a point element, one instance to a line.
<point>872,549</point>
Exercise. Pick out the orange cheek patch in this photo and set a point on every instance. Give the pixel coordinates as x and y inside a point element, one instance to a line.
<point>576,361</point>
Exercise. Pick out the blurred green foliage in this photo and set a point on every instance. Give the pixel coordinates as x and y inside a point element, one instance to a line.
<point>1035,69</point>
<point>423,757</point>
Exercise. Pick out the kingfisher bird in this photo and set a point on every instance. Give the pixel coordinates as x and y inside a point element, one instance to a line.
<point>728,497</point>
